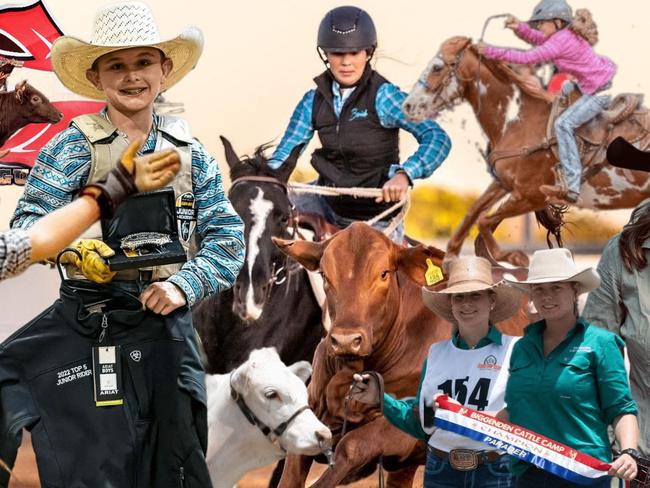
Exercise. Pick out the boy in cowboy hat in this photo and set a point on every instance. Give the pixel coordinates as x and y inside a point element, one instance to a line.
<point>128,65</point>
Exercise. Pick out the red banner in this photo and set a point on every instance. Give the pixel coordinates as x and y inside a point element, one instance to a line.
<point>27,33</point>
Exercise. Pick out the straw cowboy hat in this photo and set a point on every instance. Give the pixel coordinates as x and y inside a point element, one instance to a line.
<point>467,274</point>
<point>557,265</point>
<point>121,26</point>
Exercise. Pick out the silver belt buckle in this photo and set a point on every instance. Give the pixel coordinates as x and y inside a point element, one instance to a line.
<point>463,459</point>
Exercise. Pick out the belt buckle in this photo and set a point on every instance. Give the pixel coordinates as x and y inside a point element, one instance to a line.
<point>463,459</point>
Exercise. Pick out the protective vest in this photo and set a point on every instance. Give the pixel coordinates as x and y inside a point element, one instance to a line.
<point>356,149</point>
<point>106,146</point>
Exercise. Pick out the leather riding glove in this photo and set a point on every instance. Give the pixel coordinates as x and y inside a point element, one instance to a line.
<point>92,263</point>
<point>131,175</point>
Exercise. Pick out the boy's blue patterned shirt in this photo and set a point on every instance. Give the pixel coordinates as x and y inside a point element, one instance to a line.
<point>62,168</point>
<point>434,141</point>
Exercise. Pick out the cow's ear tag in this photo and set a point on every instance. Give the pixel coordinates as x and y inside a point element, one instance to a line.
<point>433,274</point>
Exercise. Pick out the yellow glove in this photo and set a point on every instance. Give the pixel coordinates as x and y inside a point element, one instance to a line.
<point>92,264</point>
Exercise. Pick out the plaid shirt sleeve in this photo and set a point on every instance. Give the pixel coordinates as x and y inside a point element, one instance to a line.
<point>220,230</point>
<point>299,131</point>
<point>434,141</point>
<point>15,252</point>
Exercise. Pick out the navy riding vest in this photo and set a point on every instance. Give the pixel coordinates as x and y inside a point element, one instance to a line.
<point>356,149</point>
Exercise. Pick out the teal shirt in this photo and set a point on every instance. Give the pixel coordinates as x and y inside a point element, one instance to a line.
<point>403,413</point>
<point>573,394</point>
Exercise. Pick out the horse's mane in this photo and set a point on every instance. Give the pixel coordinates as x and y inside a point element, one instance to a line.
<point>255,165</point>
<point>507,73</point>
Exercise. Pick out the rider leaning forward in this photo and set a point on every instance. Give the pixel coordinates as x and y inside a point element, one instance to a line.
<point>357,114</point>
<point>566,41</point>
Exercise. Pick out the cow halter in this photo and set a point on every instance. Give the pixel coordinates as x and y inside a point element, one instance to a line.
<point>273,435</point>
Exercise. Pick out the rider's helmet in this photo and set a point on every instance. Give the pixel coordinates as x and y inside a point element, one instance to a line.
<point>552,9</point>
<point>347,29</point>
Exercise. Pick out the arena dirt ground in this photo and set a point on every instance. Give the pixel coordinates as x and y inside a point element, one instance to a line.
<point>25,474</point>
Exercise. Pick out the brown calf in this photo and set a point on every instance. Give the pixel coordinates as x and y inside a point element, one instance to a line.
<point>25,105</point>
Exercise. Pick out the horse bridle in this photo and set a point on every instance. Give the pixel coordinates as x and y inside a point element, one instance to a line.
<point>452,66</point>
<point>293,224</point>
<point>254,419</point>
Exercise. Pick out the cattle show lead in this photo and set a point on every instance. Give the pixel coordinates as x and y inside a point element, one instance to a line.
<point>279,325</point>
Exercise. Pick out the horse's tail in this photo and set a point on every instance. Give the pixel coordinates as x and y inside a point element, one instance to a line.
<point>552,219</point>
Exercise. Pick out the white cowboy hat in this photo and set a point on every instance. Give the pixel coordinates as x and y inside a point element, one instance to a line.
<point>557,265</point>
<point>121,26</point>
<point>467,274</point>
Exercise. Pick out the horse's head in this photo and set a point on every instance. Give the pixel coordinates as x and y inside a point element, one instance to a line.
<point>439,86</point>
<point>259,195</point>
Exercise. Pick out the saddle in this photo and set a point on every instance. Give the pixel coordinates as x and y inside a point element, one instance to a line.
<point>625,115</point>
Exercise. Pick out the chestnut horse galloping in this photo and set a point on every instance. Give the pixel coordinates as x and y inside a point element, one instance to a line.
<point>515,119</point>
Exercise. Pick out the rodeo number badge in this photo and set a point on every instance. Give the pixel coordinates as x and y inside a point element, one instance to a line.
<point>186,212</point>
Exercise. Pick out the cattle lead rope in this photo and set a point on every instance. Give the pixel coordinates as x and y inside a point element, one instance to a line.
<point>380,392</point>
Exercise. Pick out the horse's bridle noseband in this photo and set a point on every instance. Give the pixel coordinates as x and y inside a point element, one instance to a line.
<point>254,420</point>
<point>452,66</point>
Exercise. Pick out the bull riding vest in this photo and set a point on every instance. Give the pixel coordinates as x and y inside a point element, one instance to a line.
<point>357,151</point>
<point>107,145</point>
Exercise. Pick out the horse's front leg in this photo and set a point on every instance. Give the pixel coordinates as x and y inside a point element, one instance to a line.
<point>364,445</point>
<point>487,224</point>
<point>489,197</point>
<point>295,472</point>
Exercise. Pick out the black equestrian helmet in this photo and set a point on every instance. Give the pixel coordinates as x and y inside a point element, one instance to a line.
<point>347,29</point>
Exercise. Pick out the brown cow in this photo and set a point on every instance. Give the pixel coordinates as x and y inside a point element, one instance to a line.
<point>25,105</point>
<point>379,323</point>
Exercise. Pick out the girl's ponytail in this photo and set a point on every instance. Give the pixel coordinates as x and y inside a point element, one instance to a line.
<point>583,25</point>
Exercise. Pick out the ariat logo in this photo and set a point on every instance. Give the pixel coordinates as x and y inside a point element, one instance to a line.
<point>136,355</point>
<point>489,362</point>
<point>358,114</point>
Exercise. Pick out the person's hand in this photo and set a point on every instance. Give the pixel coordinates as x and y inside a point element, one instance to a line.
<point>512,22</point>
<point>163,297</point>
<point>151,171</point>
<point>624,467</point>
<point>394,189</point>
<point>92,263</point>
<point>364,389</point>
<point>481,47</point>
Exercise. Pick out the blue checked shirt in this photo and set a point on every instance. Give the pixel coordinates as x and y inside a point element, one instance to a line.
<point>62,168</point>
<point>434,141</point>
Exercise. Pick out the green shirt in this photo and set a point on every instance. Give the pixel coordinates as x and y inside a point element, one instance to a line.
<point>403,413</point>
<point>573,394</point>
<point>622,305</point>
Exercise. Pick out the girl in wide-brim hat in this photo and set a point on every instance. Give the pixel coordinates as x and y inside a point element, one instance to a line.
<point>472,367</point>
<point>567,378</point>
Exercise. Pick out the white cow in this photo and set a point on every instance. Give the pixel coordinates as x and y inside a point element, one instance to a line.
<point>274,394</point>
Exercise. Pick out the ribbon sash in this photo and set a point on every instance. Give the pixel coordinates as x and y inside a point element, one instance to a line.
<point>524,444</point>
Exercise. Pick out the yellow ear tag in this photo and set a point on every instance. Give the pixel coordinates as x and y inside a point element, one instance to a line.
<point>433,274</point>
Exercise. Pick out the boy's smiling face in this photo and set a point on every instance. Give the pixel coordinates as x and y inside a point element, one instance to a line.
<point>130,78</point>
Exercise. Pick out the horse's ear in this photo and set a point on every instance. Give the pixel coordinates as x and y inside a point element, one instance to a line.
<point>307,253</point>
<point>413,262</point>
<point>231,155</point>
<point>284,172</point>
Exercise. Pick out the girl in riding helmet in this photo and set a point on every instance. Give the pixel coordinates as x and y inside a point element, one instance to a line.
<point>357,114</point>
<point>567,42</point>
